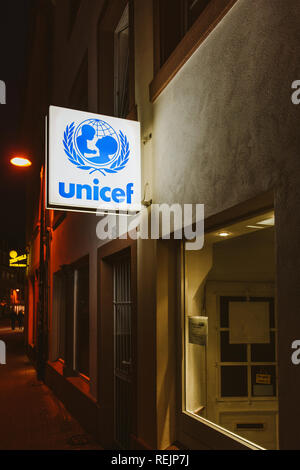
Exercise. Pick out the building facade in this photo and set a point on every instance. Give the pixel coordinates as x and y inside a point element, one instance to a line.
<point>12,283</point>
<point>146,342</point>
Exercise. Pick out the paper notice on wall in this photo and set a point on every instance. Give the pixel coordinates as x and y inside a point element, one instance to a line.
<point>198,330</point>
<point>263,379</point>
<point>249,322</point>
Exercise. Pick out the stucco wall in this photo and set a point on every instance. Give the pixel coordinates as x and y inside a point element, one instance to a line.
<point>226,118</point>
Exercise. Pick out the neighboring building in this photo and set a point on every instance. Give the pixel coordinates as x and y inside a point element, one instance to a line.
<point>210,82</point>
<point>12,283</point>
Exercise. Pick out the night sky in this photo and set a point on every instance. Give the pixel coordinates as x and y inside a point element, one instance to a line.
<point>15,29</point>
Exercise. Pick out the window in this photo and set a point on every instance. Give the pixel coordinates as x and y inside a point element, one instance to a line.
<point>230,366</point>
<point>175,19</point>
<point>121,48</point>
<point>81,318</point>
<point>180,26</point>
<point>70,317</point>
<point>256,360</point>
<point>74,7</point>
<point>79,98</point>
<point>116,89</point>
<point>193,9</point>
<point>171,27</point>
<point>59,313</point>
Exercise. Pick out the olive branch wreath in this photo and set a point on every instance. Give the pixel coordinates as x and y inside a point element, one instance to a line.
<point>76,159</point>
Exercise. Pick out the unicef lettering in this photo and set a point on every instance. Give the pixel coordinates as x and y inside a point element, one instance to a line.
<point>106,194</point>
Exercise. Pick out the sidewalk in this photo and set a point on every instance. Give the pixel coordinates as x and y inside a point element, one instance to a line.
<point>31,417</point>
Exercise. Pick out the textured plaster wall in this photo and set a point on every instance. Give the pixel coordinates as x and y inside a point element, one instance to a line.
<point>226,118</point>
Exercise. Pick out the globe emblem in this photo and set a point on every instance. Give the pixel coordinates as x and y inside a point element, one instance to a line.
<point>96,142</point>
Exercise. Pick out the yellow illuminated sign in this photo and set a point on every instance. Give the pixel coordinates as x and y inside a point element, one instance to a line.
<point>14,261</point>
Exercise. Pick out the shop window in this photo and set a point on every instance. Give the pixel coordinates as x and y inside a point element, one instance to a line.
<point>81,318</point>
<point>121,48</point>
<point>231,373</point>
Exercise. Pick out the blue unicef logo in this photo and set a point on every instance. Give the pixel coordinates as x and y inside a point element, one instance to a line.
<point>95,146</point>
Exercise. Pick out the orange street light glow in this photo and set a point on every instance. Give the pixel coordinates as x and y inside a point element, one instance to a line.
<point>20,161</point>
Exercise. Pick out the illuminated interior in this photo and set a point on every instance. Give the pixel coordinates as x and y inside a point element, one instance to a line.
<point>231,330</point>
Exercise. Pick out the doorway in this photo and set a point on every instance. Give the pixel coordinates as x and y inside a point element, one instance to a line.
<point>117,343</point>
<point>122,305</point>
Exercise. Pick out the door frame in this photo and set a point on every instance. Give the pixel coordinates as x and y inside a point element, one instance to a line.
<point>107,254</point>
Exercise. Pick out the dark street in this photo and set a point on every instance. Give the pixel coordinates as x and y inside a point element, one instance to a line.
<point>32,418</point>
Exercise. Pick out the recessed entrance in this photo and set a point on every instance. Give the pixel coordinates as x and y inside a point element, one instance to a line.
<point>117,339</point>
<point>122,304</point>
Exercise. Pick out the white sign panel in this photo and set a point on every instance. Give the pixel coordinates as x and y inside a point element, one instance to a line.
<point>93,162</point>
<point>198,329</point>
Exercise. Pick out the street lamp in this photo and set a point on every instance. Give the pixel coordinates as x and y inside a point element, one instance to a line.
<point>21,162</point>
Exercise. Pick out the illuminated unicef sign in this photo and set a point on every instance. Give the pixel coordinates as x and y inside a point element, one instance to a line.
<point>93,162</point>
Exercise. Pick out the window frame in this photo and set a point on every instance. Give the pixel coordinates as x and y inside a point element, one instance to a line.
<point>107,25</point>
<point>73,13</point>
<point>207,21</point>
<point>82,263</point>
<point>70,360</point>
<point>191,428</point>
<point>248,363</point>
<point>118,109</point>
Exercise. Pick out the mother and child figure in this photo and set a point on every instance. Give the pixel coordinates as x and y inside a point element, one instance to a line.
<point>106,145</point>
